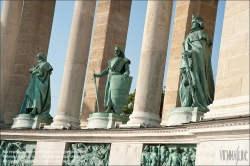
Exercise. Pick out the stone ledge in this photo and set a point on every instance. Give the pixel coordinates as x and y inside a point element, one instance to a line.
<point>186,132</point>
<point>229,107</point>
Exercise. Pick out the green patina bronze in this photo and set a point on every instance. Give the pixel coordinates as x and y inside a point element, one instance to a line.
<point>37,100</point>
<point>196,84</point>
<point>118,82</point>
<point>17,153</point>
<point>82,154</point>
<point>168,155</point>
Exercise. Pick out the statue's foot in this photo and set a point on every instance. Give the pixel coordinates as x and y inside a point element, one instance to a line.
<point>108,110</point>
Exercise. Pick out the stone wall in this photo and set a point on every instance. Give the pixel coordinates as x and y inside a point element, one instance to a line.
<point>233,66</point>
<point>232,81</point>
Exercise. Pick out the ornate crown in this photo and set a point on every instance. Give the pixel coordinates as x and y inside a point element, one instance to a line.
<point>196,18</point>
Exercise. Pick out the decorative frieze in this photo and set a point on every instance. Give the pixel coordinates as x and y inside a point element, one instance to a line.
<point>87,154</point>
<point>163,154</point>
<point>17,153</point>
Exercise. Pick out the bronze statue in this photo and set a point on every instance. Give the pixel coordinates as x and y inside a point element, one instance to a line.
<point>37,100</point>
<point>118,81</point>
<point>197,83</point>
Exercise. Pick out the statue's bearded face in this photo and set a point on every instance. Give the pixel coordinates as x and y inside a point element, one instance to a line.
<point>117,51</point>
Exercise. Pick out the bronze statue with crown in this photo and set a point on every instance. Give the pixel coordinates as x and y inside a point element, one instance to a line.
<point>196,88</point>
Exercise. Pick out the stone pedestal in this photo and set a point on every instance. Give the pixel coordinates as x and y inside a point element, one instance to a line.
<point>104,120</point>
<point>38,120</point>
<point>181,115</point>
<point>25,121</point>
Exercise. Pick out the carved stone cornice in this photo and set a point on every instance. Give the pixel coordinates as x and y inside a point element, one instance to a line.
<point>189,133</point>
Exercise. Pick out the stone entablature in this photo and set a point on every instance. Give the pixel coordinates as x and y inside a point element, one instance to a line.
<point>191,132</point>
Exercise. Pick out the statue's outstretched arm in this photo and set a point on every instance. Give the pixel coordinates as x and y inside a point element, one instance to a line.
<point>104,72</point>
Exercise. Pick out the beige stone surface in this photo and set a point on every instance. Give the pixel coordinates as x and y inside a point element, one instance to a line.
<point>49,153</point>
<point>112,19</point>
<point>229,107</point>
<point>232,81</point>
<point>152,64</point>
<point>218,152</point>
<point>233,67</point>
<point>182,25</point>
<point>125,153</point>
<point>10,23</point>
<point>76,64</point>
<point>34,37</point>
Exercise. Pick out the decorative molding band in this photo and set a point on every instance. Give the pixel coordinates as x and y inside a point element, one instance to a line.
<point>187,132</point>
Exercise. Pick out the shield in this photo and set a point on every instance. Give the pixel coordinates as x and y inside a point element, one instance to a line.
<point>120,87</point>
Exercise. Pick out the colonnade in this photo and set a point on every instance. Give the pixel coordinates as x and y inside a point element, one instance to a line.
<point>107,34</point>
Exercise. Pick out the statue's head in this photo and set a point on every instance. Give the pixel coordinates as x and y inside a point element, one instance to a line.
<point>97,147</point>
<point>154,149</point>
<point>146,148</point>
<point>197,23</point>
<point>118,51</point>
<point>79,145</point>
<point>40,56</point>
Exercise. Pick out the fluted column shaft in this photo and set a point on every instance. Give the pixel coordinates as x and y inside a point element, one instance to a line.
<point>75,65</point>
<point>152,64</point>
<point>10,23</point>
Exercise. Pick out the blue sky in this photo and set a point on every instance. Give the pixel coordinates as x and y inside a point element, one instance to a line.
<point>61,31</point>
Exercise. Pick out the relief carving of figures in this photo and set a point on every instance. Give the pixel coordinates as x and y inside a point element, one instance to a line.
<point>16,153</point>
<point>196,83</point>
<point>163,155</point>
<point>87,155</point>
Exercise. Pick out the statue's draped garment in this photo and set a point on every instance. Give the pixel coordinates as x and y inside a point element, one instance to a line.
<point>198,44</point>
<point>38,95</point>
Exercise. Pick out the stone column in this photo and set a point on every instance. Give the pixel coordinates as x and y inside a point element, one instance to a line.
<point>75,65</point>
<point>152,64</point>
<point>111,26</point>
<point>34,36</point>
<point>10,23</point>
<point>232,81</point>
<point>182,26</point>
